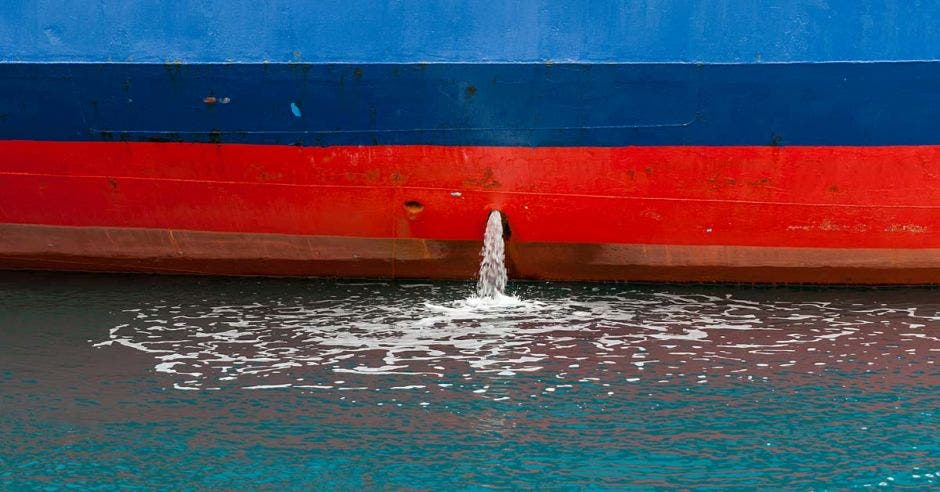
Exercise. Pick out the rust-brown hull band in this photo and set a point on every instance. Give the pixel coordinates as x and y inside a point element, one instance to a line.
<point>215,253</point>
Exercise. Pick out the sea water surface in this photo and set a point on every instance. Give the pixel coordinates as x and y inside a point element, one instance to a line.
<point>188,383</point>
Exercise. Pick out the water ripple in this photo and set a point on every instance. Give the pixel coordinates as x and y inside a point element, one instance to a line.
<point>430,334</point>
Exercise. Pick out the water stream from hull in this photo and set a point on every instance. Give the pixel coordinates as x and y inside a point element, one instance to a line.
<point>492,281</point>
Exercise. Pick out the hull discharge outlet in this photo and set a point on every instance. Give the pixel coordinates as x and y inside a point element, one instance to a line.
<point>492,281</point>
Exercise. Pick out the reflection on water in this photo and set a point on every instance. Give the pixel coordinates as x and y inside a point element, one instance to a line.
<point>419,385</point>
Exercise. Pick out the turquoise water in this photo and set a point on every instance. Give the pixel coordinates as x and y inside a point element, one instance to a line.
<point>142,382</point>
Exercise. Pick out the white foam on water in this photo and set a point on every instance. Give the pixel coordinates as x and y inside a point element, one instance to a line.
<point>402,340</point>
<point>267,386</point>
<point>475,307</point>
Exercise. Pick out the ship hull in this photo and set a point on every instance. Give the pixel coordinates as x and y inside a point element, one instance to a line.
<point>649,140</point>
<point>798,214</point>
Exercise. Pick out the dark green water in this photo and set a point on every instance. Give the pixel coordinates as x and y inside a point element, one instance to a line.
<point>140,382</point>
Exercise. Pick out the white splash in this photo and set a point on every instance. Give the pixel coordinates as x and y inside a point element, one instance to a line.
<point>597,335</point>
<point>492,282</point>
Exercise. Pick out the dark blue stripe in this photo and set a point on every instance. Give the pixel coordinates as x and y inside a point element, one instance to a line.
<point>476,104</point>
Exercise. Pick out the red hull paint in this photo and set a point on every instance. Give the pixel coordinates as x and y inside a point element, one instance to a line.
<point>883,200</point>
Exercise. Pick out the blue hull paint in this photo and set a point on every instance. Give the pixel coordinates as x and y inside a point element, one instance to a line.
<point>532,73</point>
<point>475,104</point>
<point>381,31</point>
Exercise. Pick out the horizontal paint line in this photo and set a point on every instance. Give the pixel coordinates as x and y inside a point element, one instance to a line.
<point>494,147</point>
<point>466,190</point>
<point>406,130</point>
<point>544,62</point>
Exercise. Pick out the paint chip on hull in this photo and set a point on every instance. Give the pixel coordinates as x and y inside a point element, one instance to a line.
<point>912,228</point>
<point>295,110</point>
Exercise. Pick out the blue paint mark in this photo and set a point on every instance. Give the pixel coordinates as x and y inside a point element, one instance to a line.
<point>294,109</point>
<point>385,31</point>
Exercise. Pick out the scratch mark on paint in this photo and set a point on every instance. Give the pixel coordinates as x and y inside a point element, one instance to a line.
<point>173,241</point>
<point>828,225</point>
<point>213,100</point>
<point>295,110</point>
<point>651,214</point>
<point>912,228</point>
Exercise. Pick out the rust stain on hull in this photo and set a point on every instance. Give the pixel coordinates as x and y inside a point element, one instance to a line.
<point>219,253</point>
